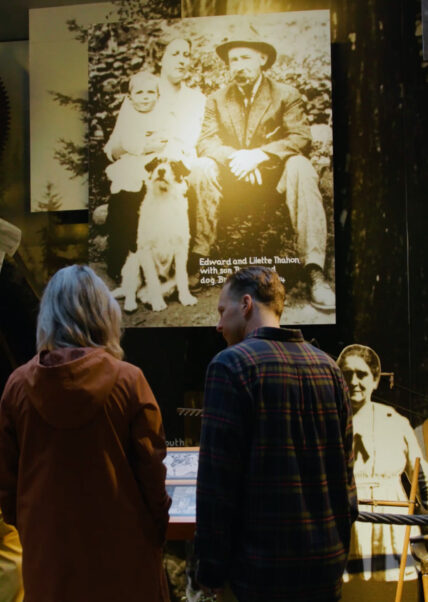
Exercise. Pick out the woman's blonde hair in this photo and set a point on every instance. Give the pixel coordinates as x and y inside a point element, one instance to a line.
<point>78,310</point>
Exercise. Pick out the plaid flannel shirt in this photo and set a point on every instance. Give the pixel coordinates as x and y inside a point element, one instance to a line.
<point>276,495</point>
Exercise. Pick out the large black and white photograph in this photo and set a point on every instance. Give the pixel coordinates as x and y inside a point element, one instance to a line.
<point>210,149</point>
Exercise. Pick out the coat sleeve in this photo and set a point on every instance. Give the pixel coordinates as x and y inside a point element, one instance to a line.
<point>295,138</point>
<point>220,473</point>
<point>9,459</point>
<point>149,450</point>
<point>282,132</point>
<point>211,141</point>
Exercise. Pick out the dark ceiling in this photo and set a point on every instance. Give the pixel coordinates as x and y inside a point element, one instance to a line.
<point>14,15</point>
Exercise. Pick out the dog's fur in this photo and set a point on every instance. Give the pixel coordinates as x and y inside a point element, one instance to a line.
<point>162,240</point>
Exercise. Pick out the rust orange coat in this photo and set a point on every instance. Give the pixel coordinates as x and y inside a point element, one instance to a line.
<point>81,476</point>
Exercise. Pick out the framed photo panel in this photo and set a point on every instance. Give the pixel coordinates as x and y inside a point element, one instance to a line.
<point>198,180</point>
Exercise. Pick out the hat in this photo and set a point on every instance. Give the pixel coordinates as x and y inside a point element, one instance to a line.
<point>250,40</point>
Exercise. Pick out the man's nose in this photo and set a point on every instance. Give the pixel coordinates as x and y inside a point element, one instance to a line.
<point>161,172</point>
<point>219,327</point>
<point>354,378</point>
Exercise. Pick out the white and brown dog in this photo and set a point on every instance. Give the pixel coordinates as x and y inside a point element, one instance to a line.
<point>162,240</point>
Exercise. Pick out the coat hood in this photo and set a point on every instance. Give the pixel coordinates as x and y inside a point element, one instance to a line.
<point>69,386</point>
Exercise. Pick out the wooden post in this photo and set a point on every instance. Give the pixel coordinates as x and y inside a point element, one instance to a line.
<point>425,587</point>
<point>399,591</point>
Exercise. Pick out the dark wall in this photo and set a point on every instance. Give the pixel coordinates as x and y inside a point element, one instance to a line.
<point>380,101</point>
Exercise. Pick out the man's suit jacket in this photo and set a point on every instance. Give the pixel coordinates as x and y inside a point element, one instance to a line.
<point>275,122</point>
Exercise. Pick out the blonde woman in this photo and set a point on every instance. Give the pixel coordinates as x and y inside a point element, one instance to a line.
<point>81,450</point>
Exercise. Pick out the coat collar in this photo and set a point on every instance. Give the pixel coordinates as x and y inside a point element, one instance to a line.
<point>290,335</point>
<point>245,127</point>
<point>261,103</point>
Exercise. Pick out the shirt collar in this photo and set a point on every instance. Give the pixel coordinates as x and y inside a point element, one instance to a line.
<point>254,90</point>
<point>290,335</point>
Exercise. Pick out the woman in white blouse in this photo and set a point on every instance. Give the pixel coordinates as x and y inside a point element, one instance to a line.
<point>385,447</point>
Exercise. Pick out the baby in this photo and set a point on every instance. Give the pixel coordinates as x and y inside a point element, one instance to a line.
<point>138,132</point>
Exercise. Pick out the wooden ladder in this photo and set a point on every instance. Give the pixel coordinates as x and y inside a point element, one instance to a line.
<point>410,504</point>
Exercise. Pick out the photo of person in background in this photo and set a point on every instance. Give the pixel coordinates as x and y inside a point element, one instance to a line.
<point>385,447</point>
<point>181,107</point>
<point>160,115</point>
<point>137,133</point>
<point>257,135</point>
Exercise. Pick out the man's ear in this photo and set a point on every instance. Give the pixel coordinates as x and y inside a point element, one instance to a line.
<point>264,58</point>
<point>247,304</point>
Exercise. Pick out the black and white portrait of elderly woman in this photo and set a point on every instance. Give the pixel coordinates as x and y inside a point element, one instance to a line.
<point>385,447</point>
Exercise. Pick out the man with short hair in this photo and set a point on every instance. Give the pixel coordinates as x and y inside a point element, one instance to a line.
<point>256,134</point>
<point>275,492</point>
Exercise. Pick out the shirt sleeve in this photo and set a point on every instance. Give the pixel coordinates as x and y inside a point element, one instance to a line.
<point>9,460</point>
<point>220,471</point>
<point>149,450</point>
<point>211,143</point>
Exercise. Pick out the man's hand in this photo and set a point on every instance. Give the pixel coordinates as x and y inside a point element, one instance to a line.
<point>254,177</point>
<point>243,162</point>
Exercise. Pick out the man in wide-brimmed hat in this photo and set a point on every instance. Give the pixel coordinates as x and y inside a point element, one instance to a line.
<point>256,133</point>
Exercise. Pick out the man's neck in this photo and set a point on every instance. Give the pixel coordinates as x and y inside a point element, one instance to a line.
<point>261,317</point>
<point>166,87</point>
<point>250,90</point>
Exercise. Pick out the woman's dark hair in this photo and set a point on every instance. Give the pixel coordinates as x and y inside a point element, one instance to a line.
<point>366,353</point>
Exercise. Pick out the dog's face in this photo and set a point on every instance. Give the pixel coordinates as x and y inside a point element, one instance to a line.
<point>165,172</point>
